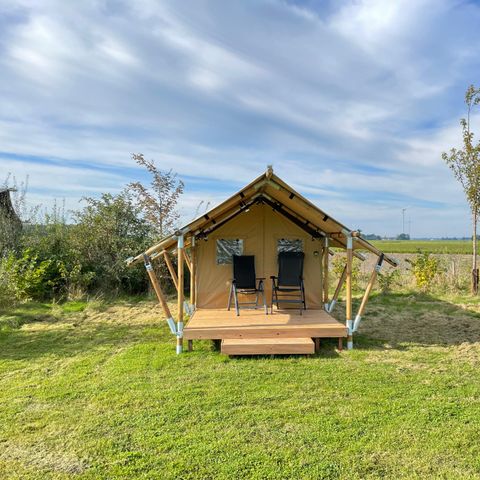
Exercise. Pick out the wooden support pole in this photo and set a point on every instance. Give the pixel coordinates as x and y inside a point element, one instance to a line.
<point>166,257</point>
<point>348,315</point>
<point>366,295</point>
<point>180,274</point>
<point>188,262</point>
<point>341,281</point>
<point>159,292</point>
<point>325,274</point>
<point>193,274</point>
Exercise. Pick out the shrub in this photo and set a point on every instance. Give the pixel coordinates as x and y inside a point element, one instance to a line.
<point>108,230</point>
<point>338,264</point>
<point>388,279</point>
<point>10,293</point>
<point>425,267</point>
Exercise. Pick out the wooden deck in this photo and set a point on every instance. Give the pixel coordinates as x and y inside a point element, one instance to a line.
<point>220,324</point>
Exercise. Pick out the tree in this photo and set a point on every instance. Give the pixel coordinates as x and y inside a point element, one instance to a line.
<point>108,230</point>
<point>465,165</point>
<point>403,236</point>
<point>158,202</point>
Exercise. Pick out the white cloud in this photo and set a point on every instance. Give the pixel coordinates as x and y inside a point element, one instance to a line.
<point>352,102</point>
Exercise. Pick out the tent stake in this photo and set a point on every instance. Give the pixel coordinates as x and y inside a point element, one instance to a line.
<point>180,247</point>
<point>159,292</point>
<point>371,282</point>
<point>349,321</point>
<point>341,281</point>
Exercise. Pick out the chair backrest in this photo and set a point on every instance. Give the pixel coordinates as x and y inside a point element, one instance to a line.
<point>290,268</point>
<point>244,271</point>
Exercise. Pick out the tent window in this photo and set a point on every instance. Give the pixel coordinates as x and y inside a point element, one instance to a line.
<point>226,248</point>
<point>289,245</point>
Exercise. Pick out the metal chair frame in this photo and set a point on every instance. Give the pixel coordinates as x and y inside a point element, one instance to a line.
<point>288,291</point>
<point>254,289</point>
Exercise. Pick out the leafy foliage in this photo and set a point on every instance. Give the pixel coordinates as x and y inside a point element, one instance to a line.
<point>107,231</point>
<point>338,265</point>
<point>388,279</point>
<point>465,165</point>
<point>465,162</point>
<point>425,267</point>
<point>159,201</point>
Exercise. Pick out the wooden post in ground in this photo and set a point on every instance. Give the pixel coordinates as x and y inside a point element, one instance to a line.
<point>193,274</point>
<point>159,292</point>
<point>169,264</point>
<point>349,321</point>
<point>371,282</point>
<point>341,281</point>
<point>325,274</point>
<point>180,275</point>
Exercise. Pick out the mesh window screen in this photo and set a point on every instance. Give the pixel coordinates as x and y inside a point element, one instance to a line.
<point>289,245</point>
<point>226,248</point>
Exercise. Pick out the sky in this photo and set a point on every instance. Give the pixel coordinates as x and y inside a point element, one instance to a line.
<point>351,101</point>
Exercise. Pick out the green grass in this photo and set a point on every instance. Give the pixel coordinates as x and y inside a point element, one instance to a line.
<point>432,246</point>
<point>98,392</point>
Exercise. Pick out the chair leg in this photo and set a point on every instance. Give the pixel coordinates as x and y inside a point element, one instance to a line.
<point>276,298</point>
<point>273,290</point>
<point>303,297</point>
<point>235,296</point>
<point>230,297</point>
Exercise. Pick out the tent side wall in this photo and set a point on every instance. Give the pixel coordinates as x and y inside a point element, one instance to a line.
<point>260,229</point>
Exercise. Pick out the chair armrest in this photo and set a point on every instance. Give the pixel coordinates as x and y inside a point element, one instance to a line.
<point>260,278</point>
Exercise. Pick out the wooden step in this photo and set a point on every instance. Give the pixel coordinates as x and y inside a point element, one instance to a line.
<point>267,346</point>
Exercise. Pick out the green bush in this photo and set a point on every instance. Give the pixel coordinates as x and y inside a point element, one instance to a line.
<point>338,264</point>
<point>10,293</point>
<point>107,231</point>
<point>425,268</point>
<point>388,280</point>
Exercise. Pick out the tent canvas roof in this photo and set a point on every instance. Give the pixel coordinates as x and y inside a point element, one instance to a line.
<point>269,189</point>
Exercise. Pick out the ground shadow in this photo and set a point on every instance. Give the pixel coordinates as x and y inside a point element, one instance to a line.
<point>46,335</point>
<point>401,319</point>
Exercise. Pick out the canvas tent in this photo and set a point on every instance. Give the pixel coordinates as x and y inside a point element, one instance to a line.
<point>262,219</point>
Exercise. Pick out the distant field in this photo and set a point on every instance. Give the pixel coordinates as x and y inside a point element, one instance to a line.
<point>433,246</point>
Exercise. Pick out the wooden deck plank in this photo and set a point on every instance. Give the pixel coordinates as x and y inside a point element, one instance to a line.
<point>267,346</point>
<point>220,323</point>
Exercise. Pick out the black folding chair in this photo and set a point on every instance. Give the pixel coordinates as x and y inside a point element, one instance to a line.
<point>289,283</point>
<point>245,282</point>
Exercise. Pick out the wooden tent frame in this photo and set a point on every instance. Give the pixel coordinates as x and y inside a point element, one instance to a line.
<point>270,190</point>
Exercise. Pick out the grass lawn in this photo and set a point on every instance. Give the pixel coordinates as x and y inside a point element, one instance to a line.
<point>93,391</point>
<point>432,246</point>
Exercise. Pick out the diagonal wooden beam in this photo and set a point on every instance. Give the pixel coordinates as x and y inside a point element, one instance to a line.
<point>169,264</point>
<point>341,281</point>
<point>366,295</point>
<point>159,292</point>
